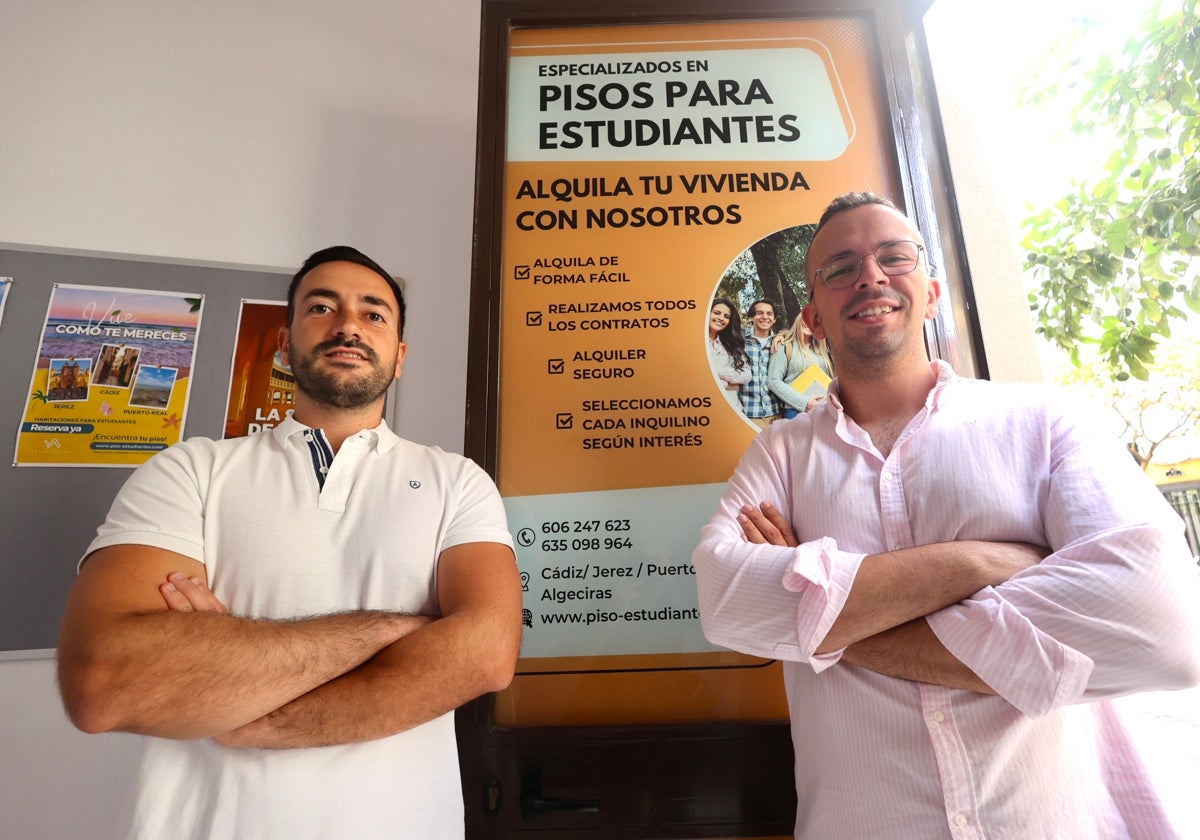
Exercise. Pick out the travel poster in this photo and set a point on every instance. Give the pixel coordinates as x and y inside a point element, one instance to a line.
<point>261,387</point>
<point>110,383</point>
<point>651,172</point>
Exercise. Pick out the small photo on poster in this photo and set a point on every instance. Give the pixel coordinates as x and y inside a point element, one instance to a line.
<point>69,379</point>
<point>115,365</point>
<point>788,369</point>
<point>152,387</point>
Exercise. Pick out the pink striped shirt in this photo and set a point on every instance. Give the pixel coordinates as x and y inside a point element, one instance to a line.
<point>1113,610</point>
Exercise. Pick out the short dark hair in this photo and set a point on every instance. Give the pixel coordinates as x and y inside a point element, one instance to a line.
<point>850,200</point>
<point>344,253</point>
<point>770,303</point>
<point>844,202</point>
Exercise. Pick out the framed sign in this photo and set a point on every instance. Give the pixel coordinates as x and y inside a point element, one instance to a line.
<point>641,163</point>
<point>647,176</point>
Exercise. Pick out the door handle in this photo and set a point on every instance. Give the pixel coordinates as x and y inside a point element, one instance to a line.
<point>534,804</point>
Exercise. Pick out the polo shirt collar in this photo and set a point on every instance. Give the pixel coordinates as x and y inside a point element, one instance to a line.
<point>381,438</point>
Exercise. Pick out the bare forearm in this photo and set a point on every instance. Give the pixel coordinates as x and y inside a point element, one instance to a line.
<point>898,586</point>
<point>197,674</point>
<point>414,680</point>
<point>471,650</point>
<point>913,652</point>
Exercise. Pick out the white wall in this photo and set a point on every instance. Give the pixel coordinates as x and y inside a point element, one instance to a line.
<point>254,133</point>
<point>250,133</point>
<point>974,90</point>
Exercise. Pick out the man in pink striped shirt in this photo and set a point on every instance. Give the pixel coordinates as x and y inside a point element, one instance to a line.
<point>956,574</point>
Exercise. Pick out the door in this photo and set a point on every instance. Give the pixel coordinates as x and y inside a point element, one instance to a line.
<point>638,165</point>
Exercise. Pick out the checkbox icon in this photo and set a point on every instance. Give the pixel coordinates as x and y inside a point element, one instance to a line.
<point>556,366</point>
<point>564,420</point>
<point>521,272</point>
<point>533,319</point>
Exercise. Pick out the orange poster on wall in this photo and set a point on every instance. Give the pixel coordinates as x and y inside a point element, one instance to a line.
<point>261,387</point>
<point>651,170</point>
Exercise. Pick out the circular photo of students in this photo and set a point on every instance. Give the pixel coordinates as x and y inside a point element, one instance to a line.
<point>766,361</point>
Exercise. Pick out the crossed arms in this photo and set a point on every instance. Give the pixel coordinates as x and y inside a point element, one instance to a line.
<point>881,626</point>
<point>145,647</point>
<point>1111,611</point>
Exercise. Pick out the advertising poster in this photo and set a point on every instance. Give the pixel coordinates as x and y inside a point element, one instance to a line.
<point>261,387</point>
<point>5,286</point>
<point>652,172</point>
<point>110,385</point>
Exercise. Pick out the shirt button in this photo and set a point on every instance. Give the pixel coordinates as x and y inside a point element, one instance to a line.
<point>323,470</point>
<point>938,717</point>
<point>960,820</point>
<point>308,437</point>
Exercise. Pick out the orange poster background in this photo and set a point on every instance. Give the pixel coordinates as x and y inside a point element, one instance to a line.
<point>662,263</point>
<point>668,263</point>
<point>260,392</point>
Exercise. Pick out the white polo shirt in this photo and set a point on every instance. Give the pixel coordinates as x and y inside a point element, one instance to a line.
<point>286,532</point>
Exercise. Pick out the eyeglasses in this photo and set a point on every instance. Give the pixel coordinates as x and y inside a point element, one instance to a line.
<point>893,258</point>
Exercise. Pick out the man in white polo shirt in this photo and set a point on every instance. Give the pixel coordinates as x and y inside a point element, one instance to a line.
<point>295,615</point>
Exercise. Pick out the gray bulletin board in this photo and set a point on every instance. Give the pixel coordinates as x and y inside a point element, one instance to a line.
<point>48,515</point>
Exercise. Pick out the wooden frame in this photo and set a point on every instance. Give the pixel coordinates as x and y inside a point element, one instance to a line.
<point>631,771</point>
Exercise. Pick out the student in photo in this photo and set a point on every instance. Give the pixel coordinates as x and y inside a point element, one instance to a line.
<point>293,616</point>
<point>794,351</point>
<point>727,349</point>
<point>758,403</point>
<point>958,576</point>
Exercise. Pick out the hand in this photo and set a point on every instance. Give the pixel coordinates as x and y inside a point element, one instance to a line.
<point>766,524</point>
<point>189,594</point>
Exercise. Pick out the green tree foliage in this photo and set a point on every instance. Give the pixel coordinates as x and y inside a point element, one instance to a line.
<point>771,269</point>
<point>1117,261</point>
<point>1150,413</point>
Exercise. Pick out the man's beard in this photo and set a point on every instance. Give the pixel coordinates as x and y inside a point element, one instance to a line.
<point>873,349</point>
<point>328,388</point>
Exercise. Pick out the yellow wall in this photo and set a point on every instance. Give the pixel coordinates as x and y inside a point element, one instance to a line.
<point>1190,471</point>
